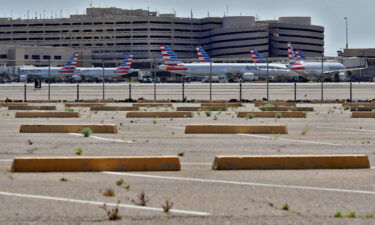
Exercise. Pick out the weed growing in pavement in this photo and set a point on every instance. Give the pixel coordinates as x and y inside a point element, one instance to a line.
<point>208,113</point>
<point>142,199</point>
<point>350,214</point>
<point>112,214</point>
<point>86,131</point>
<point>29,142</point>
<point>173,133</point>
<point>278,115</point>
<point>346,107</point>
<point>32,150</point>
<point>167,206</point>
<point>305,130</point>
<point>119,182</point>
<point>285,207</point>
<point>154,121</point>
<point>337,214</point>
<point>78,151</point>
<point>108,192</point>
<point>68,109</point>
<point>63,179</point>
<point>271,204</point>
<point>249,116</point>
<point>369,215</point>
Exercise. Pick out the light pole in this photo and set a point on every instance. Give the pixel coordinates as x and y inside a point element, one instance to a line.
<point>346,23</point>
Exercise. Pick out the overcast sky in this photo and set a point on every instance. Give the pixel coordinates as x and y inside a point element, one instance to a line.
<point>327,13</point>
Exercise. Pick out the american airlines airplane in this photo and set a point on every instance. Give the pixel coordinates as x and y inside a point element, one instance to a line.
<point>53,72</point>
<point>173,64</point>
<point>97,72</point>
<point>313,70</point>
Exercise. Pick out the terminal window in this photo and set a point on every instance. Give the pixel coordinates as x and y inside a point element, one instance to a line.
<point>57,57</point>
<point>46,57</point>
<point>37,57</point>
<point>26,57</point>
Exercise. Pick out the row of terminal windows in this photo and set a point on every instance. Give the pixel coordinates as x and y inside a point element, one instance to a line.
<point>38,57</point>
<point>238,39</point>
<point>299,29</point>
<point>107,23</point>
<point>241,46</point>
<point>299,43</point>
<point>234,33</point>
<point>101,30</point>
<point>96,38</point>
<point>300,36</point>
<point>121,44</point>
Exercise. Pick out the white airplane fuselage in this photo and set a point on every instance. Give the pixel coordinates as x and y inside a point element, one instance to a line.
<point>98,72</point>
<point>45,72</point>
<point>314,69</point>
<point>224,69</point>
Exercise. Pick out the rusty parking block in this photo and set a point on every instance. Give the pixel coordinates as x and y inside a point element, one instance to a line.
<point>96,164</point>
<point>68,128</point>
<point>159,115</point>
<point>363,109</point>
<point>152,104</point>
<point>359,104</point>
<point>78,104</point>
<point>282,108</point>
<point>235,129</point>
<point>47,115</point>
<point>114,108</point>
<point>209,101</point>
<point>203,108</point>
<point>32,107</point>
<point>285,104</point>
<point>7,104</point>
<point>363,114</point>
<point>43,101</point>
<point>234,104</point>
<point>273,114</point>
<point>279,162</point>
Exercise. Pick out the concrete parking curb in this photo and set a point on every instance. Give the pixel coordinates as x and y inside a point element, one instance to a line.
<point>283,108</point>
<point>32,107</point>
<point>363,108</point>
<point>235,129</point>
<point>264,162</point>
<point>47,115</point>
<point>159,115</point>
<point>286,104</point>
<point>114,108</point>
<point>363,114</point>
<point>83,104</point>
<point>96,164</point>
<point>273,114</point>
<point>68,128</point>
<point>152,104</point>
<point>203,108</point>
<point>235,104</point>
<point>13,104</point>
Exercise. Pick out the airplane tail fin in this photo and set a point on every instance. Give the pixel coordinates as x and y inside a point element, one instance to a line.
<point>72,62</point>
<point>299,54</point>
<point>291,55</point>
<point>202,55</point>
<point>340,53</point>
<point>256,57</point>
<point>125,65</point>
<point>169,58</point>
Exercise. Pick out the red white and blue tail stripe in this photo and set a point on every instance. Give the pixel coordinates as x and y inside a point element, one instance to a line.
<point>125,66</point>
<point>256,57</point>
<point>202,55</point>
<point>70,65</point>
<point>291,55</point>
<point>340,53</point>
<point>169,58</point>
<point>299,54</point>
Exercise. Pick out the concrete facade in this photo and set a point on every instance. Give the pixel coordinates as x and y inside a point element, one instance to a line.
<point>369,55</point>
<point>111,33</point>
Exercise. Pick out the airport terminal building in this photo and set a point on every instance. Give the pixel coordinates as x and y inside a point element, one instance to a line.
<point>111,33</point>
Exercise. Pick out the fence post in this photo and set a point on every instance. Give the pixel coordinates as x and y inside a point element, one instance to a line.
<point>268,88</point>
<point>49,79</point>
<point>77,92</point>
<point>130,91</point>
<point>211,81</point>
<point>103,81</point>
<point>240,91</point>
<point>295,91</point>
<point>322,80</point>
<point>183,91</point>
<point>24,93</point>
<point>351,92</point>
